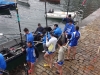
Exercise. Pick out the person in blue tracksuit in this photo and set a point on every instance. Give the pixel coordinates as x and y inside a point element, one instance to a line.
<point>67,19</point>
<point>44,40</point>
<point>57,31</point>
<point>73,42</point>
<point>30,57</point>
<point>29,36</point>
<point>2,63</point>
<point>68,30</point>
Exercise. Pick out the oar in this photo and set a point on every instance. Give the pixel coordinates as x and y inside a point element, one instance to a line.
<point>9,34</point>
<point>18,19</point>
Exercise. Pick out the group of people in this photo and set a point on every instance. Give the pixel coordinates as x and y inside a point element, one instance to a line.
<point>50,41</point>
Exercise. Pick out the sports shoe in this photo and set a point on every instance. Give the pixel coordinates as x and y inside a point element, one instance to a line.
<point>46,65</point>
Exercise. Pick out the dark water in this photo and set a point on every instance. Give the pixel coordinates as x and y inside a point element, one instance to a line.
<point>31,16</point>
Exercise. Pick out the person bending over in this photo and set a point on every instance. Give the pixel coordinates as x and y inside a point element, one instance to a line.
<point>57,31</point>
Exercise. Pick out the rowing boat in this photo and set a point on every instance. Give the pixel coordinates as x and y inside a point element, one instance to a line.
<point>13,54</point>
<point>60,14</point>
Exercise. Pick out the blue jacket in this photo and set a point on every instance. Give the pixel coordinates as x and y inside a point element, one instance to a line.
<point>69,28</point>
<point>67,20</point>
<point>30,37</point>
<point>57,31</point>
<point>44,37</point>
<point>31,56</point>
<point>74,38</point>
<point>2,62</point>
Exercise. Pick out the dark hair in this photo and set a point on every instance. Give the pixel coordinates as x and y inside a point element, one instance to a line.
<point>69,15</point>
<point>56,25</point>
<point>39,24</point>
<point>44,31</point>
<point>77,28</point>
<point>26,29</point>
<point>71,21</point>
<point>30,42</point>
<point>60,42</point>
<point>51,33</point>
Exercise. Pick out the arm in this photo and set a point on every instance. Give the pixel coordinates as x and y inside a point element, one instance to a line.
<point>36,30</point>
<point>60,56</point>
<point>48,42</point>
<point>65,28</point>
<point>72,37</point>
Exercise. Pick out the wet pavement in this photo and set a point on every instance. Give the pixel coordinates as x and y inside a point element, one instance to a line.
<point>87,60</point>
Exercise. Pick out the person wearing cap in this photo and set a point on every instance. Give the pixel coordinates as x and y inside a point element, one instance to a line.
<point>57,30</point>
<point>68,30</point>
<point>51,44</point>
<point>2,63</point>
<point>68,18</point>
<point>29,35</point>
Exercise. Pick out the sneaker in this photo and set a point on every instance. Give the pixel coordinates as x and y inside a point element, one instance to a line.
<point>43,51</point>
<point>46,65</point>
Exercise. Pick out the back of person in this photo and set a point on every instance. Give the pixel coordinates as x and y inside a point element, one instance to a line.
<point>61,54</point>
<point>74,38</point>
<point>53,41</point>
<point>58,31</point>
<point>30,37</point>
<point>69,28</point>
<point>67,19</point>
<point>2,62</point>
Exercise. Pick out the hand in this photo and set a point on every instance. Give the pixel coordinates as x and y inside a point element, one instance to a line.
<point>23,49</point>
<point>36,59</point>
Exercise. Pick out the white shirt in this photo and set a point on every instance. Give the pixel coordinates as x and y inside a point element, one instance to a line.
<point>52,41</point>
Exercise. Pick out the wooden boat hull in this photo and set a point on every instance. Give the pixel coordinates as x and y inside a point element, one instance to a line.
<point>13,53</point>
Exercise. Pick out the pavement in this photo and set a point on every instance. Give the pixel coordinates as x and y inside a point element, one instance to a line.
<point>87,61</point>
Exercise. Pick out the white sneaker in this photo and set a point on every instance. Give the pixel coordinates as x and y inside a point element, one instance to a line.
<point>43,51</point>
